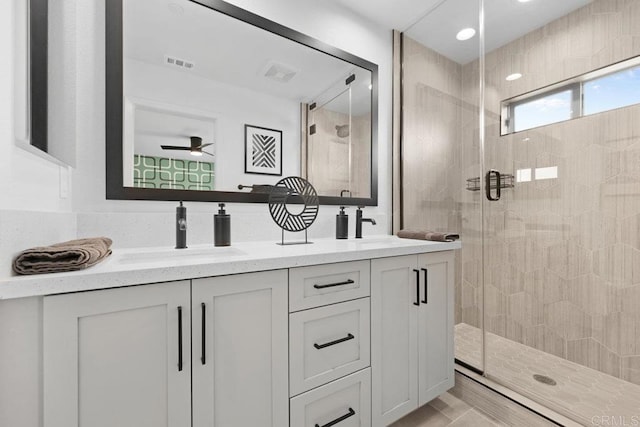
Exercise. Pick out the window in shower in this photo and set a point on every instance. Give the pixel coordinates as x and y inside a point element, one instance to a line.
<point>606,89</point>
<point>544,110</point>
<point>613,91</point>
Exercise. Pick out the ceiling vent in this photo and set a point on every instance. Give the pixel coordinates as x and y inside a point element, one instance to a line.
<point>279,72</point>
<point>177,62</point>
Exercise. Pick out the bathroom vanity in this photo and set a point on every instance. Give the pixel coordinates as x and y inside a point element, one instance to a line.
<point>358,332</point>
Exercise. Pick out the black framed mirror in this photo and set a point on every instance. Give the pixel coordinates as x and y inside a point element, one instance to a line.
<point>38,11</point>
<point>209,102</point>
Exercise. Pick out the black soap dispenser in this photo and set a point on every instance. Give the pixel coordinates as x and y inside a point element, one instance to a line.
<point>342,225</point>
<point>222,227</point>
<point>181,227</point>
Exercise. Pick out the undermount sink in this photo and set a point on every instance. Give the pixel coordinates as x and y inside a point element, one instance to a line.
<point>168,254</point>
<point>375,240</point>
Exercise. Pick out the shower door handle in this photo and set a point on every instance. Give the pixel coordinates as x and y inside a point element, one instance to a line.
<point>487,185</point>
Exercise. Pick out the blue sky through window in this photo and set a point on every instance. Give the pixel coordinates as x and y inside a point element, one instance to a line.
<point>613,91</point>
<point>543,111</point>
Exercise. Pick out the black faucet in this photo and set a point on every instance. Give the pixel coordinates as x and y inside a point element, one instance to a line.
<point>360,220</point>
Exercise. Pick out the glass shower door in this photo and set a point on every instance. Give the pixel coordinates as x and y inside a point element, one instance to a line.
<point>531,152</point>
<point>441,153</point>
<point>562,252</point>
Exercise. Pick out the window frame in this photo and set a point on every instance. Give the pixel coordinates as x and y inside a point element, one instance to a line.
<point>574,85</point>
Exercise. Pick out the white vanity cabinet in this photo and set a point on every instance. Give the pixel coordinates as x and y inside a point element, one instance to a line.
<point>329,345</point>
<point>122,357</point>
<point>411,332</point>
<point>240,351</point>
<point>283,342</point>
<point>118,357</point>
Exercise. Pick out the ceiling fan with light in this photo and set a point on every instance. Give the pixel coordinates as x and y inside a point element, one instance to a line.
<point>195,148</point>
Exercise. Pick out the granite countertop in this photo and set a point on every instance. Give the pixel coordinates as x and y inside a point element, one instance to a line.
<point>138,266</point>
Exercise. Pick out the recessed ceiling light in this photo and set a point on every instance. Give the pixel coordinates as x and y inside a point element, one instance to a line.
<point>465,34</point>
<point>524,1</point>
<point>514,76</point>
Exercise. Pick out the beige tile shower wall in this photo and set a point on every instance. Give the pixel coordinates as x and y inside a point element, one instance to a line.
<point>563,255</point>
<point>431,140</point>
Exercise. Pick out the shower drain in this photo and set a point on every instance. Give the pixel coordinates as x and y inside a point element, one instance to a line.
<point>544,379</point>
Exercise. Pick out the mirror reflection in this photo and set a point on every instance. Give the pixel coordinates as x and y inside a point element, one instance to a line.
<point>339,138</point>
<point>211,103</point>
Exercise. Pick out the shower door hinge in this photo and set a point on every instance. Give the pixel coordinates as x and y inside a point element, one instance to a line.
<point>350,79</point>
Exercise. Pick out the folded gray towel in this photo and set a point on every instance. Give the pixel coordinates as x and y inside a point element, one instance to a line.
<point>66,256</point>
<point>428,235</point>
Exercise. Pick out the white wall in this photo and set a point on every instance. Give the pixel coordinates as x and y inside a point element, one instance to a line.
<point>27,181</point>
<point>32,211</point>
<point>148,223</point>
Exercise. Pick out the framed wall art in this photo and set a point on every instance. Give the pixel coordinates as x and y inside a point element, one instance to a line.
<point>262,150</point>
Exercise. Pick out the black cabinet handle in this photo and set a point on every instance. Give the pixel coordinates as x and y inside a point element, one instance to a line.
<point>331,285</point>
<point>179,338</point>
<point>347,338</point>
<point>337,420</point>
<point>417,288</point>
<point>487,184</point>
<point>426,286</point>
<point>204,336</point>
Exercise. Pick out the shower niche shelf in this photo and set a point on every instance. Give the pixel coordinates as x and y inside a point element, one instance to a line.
<point>506,181</point>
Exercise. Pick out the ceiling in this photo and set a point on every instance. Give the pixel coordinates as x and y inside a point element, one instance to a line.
<point>435,23</point>
<point>154,128</point>
<point>225,49</point>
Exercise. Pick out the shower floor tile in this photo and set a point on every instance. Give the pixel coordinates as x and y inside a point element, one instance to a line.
<point>582,393</point>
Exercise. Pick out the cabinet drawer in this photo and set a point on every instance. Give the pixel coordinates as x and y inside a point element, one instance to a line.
<point>327,343</point>
<point>318,285</point>
<point>347,399</point>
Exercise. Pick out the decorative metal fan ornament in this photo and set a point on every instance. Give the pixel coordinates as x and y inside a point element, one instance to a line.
<point>293,204</point>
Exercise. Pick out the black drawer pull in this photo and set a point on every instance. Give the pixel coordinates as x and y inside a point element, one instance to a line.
<point>179,338</point>
<point>417,287</point>
<point>347,338</point>
<point>337,420</point>
<point>204,334</point>
<point>331,285</point>
<point>426,286</point>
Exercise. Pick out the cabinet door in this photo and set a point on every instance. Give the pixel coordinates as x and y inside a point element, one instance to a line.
<point>240,358</point>
<point>394,338</point>
<point>111,358</point>
<point>435,325</point>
